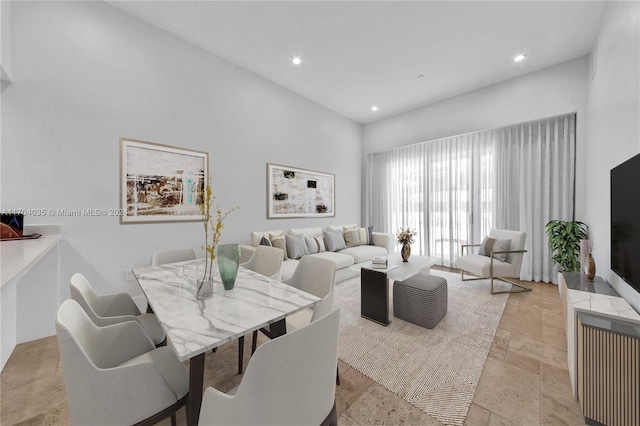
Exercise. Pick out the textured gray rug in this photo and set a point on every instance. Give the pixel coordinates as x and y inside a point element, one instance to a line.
<point>437,370</point>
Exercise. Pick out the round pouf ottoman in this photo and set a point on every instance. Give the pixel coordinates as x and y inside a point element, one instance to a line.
<point>421,299</point>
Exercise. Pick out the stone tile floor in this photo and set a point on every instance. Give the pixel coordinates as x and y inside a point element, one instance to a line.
<point>524,382</point>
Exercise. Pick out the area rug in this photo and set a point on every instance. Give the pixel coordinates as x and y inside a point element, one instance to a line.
<point>438,369</point>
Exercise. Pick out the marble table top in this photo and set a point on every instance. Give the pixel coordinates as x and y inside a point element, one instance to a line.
<point>195,326</point>
<point>610,306</point>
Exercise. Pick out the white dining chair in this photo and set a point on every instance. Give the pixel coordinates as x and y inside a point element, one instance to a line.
<point>106,309</point>
<point>314,275</point>
<point>162,257</point>
<point>114,374</point>
<point>289,381</point>
<point>266,261</point>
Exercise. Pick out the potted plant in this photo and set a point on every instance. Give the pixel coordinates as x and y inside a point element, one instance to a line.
<point>564,242</point>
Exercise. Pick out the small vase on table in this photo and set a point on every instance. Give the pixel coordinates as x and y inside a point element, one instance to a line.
<point>228,258</point>
<point>204,285</point>
<point>405,252</point>
<point>591,268</point>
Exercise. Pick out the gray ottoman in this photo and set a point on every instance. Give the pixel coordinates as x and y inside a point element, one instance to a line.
<point>421,299</point>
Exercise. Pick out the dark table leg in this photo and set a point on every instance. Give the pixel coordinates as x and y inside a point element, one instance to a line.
<point>196,379</point>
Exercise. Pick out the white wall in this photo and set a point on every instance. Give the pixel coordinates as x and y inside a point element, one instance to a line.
<point>614,126</point>
<point>549,92</point>
<point>84,74</point>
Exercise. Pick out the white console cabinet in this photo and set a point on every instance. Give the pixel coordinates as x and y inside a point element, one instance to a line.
<point>613,320</point>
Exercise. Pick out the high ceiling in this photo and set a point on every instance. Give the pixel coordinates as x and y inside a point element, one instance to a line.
<point>364,53</point>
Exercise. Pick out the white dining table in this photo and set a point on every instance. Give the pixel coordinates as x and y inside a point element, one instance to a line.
<point>194,326</point>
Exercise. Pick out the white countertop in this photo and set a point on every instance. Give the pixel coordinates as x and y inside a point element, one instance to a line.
<point>609,306</point>
<point>18,256</point>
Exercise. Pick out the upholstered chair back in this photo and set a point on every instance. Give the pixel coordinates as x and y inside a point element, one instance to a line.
<point>114,374</point>
<point>266,261</point>
<point>289,380</point>
<point>518,239</point>
<point>317,276</point>
<point>162,257</point>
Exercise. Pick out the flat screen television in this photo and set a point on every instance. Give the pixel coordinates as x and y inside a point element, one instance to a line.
<point>625,221</point>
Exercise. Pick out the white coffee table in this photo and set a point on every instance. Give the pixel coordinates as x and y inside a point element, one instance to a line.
<point>374,285</point>
<point>399,270</point>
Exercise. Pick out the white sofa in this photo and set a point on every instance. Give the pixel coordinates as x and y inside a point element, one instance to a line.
<point>347,260</point>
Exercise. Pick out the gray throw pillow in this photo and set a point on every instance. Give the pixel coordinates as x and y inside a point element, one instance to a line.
<point>491,244</point>
<point>370,230</point>
<point>264,241</point>
<point>315,244</point>
<point>312,245</point>
<point>334,241</point>
<point>296,246</point>
<point>279,242</point>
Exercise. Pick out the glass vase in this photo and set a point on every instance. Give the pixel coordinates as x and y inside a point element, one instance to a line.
<point>228,256</point>
<point>204,288</point>
<point>200,273</point>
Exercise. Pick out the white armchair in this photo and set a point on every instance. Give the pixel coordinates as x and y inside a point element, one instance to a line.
<point>289,381</point>
<point>113,308</point>
<point>489,265</point>
<point>114,374</point>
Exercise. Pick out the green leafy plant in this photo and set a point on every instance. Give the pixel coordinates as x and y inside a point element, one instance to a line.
<point>564,242</point>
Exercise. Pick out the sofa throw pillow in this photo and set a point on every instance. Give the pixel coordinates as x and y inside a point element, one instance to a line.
<point>370,231</point>
<point>334,241</point>
<point>256,236</point>
<point>312,245</point>
<point>491,244</point>
<point>315,244</point>
<point>352,237</point>
<point>279,242</point>
<point>264,241</point>
<point>364,236</point>
<point>296,246</point>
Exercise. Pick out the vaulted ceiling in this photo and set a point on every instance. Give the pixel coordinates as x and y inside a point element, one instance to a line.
<point>391,54</point>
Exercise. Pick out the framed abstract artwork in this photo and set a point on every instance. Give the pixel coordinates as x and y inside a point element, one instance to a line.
<point>161,183</point>
<point>294,192</point>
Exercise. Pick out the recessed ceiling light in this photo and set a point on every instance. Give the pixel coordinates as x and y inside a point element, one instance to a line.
<point>296,60</point>
<point>374,108</point>
<point>518,58</point>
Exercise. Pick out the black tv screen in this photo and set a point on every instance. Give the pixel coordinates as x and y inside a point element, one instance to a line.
<point>625,221</point>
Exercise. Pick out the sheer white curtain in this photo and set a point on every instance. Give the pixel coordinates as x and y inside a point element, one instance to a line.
<point>535,183</point>
<point>453,190</point>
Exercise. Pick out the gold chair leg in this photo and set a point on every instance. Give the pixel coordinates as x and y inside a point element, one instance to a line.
<point>462,278</point>
<point>521,287</point>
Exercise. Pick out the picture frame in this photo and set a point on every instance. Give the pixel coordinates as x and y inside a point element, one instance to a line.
<point>161,183</point>
<point>295,192</point>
